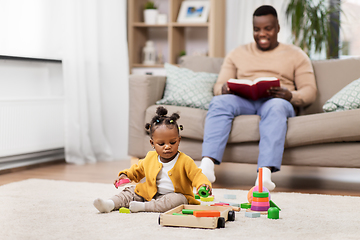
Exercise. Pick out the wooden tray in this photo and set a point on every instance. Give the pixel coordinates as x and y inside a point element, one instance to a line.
<point>168,219</point>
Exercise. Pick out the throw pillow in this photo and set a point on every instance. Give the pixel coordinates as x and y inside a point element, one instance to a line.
<point>346,99</point>
<point>187,88</point>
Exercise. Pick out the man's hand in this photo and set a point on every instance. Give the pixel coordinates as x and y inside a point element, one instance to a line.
<point>225,89</point>
<point>280,92</point>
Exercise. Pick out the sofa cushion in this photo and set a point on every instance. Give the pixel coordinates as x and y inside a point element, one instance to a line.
<point>187,88</point>
<point>331,76</point>
<point>346,99</point>
<point>245,128</point>
<point>323,128</point>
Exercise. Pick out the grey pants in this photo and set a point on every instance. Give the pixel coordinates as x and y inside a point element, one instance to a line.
<point>159,203</point>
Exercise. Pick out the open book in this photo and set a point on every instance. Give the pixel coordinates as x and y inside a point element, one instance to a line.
<point>253,89</point>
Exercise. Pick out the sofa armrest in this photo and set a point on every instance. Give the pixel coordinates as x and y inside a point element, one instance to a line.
<point>144,91</point>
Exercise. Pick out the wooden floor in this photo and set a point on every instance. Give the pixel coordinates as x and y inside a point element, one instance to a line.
<point>232,176</point>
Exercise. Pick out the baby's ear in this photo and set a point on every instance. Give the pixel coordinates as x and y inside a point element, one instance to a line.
<point>151,142</point>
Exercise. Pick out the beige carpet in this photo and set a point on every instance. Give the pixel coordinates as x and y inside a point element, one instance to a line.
<point>48,209</point>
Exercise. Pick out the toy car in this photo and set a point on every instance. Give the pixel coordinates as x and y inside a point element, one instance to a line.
<point>175,218</point>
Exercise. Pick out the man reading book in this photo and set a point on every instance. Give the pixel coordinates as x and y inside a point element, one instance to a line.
<point>265,57</point>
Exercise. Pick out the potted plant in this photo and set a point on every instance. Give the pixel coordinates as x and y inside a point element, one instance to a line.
<point>182,53</point>
<point>150,12</point>
<point>313,25</point>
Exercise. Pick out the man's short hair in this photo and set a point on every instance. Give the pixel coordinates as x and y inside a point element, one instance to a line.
<point>265,10</point>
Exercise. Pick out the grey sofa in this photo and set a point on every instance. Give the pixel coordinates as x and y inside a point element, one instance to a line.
<point>313,138</point>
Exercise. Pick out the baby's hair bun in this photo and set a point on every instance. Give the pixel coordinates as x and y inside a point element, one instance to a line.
<point>161,111</point>
<point>147,126</point>
<point>181,127</point>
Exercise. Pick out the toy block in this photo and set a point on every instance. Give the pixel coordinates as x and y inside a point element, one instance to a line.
<point>121,182</point>
<point>245,205</point>
<point>220,204</point>
<point>272,204</point>
<point>179,214</point>
<point>262,212</point>
<point>233,204</point>
<point>259,209</point>
<point>203,192</point>
<point>207,199</point>
<point>208,213</point>
<point>252,214</point>
<point>260,204</point>
<point>229,196</point>
<point>257,199</point>
<point>236,209</point>
<point>261,194</point>
<point>197,196</point>
<point>124,210</point>
<point>273,213</point>
<point>188,211</point>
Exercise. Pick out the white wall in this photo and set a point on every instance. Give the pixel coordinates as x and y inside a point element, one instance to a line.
<point>33,28</point>
<point>239,29</point>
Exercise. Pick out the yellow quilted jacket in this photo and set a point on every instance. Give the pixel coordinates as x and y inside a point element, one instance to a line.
<point>184,175</point>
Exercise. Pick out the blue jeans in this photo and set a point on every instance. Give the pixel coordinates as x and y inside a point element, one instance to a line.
<point>273,113</point>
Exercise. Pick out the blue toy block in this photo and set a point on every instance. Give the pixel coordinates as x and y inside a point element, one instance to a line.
<point>229,196</point>
<point>252,214</point>
<point>232,204</point>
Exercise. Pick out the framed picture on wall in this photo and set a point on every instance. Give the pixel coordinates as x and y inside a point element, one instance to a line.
<point>194,12</point>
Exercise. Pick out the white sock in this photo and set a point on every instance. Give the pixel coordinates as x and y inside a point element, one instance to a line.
<point>137,206</point>
<point>207,166</point>
<point>104,206</point>
<point>266,179</point>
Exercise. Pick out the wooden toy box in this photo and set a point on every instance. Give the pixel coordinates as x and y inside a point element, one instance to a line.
<point>168,219</point>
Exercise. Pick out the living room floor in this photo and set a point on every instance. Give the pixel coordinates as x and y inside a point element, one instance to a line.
<point>315,180</point>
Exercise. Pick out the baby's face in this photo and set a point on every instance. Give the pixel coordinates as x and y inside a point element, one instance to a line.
<point>166,142</point>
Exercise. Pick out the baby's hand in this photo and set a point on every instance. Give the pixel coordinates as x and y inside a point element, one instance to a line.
<point>208,188</point>
<point>122,179</point>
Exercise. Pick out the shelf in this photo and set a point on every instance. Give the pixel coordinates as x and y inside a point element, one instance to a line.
<point>173,24</point>
<point>141,24</point>
<point>172,38</point>
<point>148,66</point>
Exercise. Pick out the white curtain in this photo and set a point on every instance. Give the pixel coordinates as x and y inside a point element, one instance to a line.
<point>95,64</point>
<point>239,21</point>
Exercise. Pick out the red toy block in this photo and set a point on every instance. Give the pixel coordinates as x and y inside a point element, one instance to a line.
<point>220,204</point>
<point>209,213</point>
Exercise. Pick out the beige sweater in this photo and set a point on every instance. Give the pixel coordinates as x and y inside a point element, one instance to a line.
<point>286,62</point>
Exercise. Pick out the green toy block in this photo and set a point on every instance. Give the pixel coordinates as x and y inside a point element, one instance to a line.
<point>245,205</point>
<point>175,213</point>
<point>124,210</point>
<point>188,211</point>
<point>273,213</point>
<point>272,204</point>
<point>197,196</point>
<point>261,194</point>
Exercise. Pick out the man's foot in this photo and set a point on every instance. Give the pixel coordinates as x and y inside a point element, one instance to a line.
<point>137,206</point>
<point>266,179</point>
<point>207,166</point>
<point>104,206</point>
